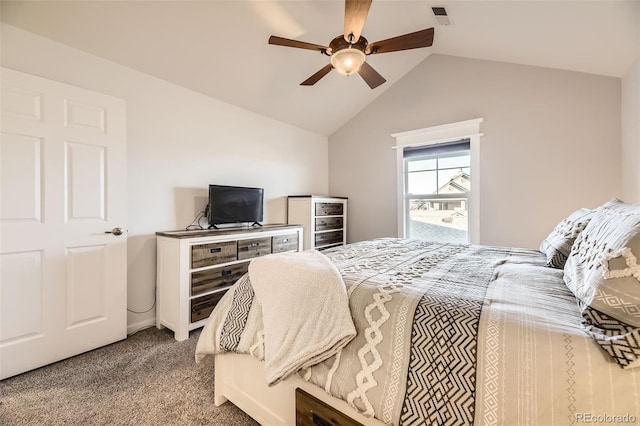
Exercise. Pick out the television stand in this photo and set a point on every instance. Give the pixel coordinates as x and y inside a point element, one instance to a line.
<point>196,268</point>
<point>257,224</point>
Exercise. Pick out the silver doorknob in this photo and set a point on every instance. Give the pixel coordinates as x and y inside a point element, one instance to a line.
<point>115,231</point>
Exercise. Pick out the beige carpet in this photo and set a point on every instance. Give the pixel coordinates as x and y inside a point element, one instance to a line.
<point>147,379</point>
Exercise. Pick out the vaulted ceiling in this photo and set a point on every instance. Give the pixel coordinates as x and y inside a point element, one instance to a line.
<point>219,48</point>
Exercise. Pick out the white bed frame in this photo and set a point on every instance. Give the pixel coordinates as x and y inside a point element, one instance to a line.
<point>239,378</point>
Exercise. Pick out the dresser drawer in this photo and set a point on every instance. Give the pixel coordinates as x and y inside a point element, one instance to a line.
<point>201,307</point>
<point>310,411</point>
<point>282,243</point>
<point>248,249</point>
<point>325,238</point>
<point>213,254</point>
<point>329,209</point>
<point>326,223</point>
<point>211,279</point>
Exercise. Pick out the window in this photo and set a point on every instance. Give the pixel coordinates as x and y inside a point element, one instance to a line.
<point>437,184</point>
<point>433,158</point>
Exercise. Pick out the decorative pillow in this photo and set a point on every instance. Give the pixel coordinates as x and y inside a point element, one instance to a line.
<point>603,273</point>
<point>558,244</point>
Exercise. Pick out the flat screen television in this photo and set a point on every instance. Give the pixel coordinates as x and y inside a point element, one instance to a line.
<point>234,204</point>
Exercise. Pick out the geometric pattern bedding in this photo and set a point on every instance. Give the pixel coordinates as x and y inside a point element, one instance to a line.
<point>439,310</point>
<point>442,366</point>
<point>450,335</point>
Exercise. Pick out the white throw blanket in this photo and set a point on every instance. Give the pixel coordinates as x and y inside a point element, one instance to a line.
<point>305,310</point>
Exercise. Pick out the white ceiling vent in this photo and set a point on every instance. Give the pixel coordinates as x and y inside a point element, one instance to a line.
<point>441,16</point>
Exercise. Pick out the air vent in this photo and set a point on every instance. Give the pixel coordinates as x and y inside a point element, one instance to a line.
<point>442,18</point>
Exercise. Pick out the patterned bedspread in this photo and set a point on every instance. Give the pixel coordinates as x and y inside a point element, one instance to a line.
<point>451,334</point>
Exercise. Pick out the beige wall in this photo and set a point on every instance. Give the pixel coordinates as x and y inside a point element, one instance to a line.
<point>631,134</point>
<point>551,144</point>
<point>631,128</point>
<point>178,142</point>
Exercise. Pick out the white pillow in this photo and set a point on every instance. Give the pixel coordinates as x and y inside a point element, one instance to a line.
<point>557,245</point>
<point>603,273</point>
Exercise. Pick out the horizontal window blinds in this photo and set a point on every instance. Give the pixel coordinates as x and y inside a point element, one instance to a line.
<point>439,150</point>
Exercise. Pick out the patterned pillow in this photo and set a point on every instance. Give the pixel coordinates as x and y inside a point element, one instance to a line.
<point>603,273</point>
<point>558,244</point>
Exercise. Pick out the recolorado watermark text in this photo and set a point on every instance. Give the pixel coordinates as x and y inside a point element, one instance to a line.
<point>606,418</point>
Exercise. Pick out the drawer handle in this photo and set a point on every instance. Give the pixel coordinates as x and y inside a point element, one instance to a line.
<point>255,244</point>
<point>215,250</point>
<point>284,240</point>
<point>317,420</point>
<point>227,272</point>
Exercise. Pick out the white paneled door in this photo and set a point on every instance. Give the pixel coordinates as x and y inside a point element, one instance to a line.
<point>62,221</point>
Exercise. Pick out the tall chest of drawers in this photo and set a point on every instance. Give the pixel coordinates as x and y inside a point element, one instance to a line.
<point>196,268</point>
<point>324,219</point>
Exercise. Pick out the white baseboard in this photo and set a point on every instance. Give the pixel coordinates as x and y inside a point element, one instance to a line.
<point>132,328</point>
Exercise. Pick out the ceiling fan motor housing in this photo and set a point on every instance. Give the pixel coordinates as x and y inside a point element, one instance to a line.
<point>340,43</point>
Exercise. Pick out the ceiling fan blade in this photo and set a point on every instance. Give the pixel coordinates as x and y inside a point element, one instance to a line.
<point>280,41</point>
<point>423,38</point>
<point>317,76</point>
<point>370,76</point>
<point>355,13</point>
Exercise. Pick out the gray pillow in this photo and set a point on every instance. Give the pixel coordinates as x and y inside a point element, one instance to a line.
<point>603,273</point>
<point>558,244</point>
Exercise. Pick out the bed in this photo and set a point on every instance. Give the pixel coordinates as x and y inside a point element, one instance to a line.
<point>442,334</point>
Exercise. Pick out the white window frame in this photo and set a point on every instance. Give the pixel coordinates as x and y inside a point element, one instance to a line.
<point>469,129</point>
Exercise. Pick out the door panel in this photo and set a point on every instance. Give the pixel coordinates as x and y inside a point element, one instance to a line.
<point>84,116</point>
<point>25,270</point>
<point>86,298</point>
<point>63,185</point>
<point>85,182</point>
<point>21,163</point>
<point>21,103</point>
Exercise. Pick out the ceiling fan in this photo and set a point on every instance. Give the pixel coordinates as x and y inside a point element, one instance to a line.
<point>348,52</point>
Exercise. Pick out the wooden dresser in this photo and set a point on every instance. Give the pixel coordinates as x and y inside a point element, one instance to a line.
<point>196,268</point>
<point>324,219</point>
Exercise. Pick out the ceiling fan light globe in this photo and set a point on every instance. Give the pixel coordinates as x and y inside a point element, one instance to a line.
<point>347,61</point>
